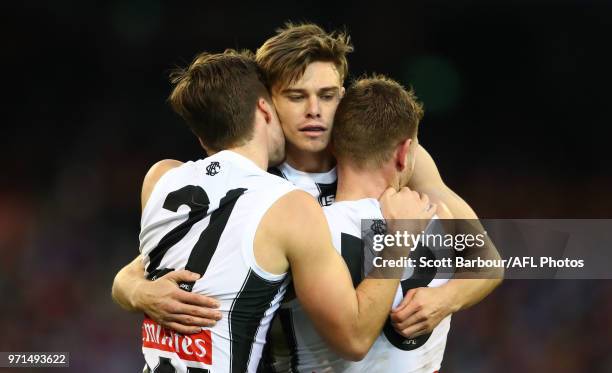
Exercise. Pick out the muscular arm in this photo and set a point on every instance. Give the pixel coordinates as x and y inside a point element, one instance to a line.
<point>422,309</point>
<point>126,283</point>
<point>349,319</point>
<point>162,299</point>
<point>426,179</point>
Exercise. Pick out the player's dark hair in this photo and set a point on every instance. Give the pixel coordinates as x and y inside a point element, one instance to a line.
<point>373,117</point>
<point>285,56</point>
<point>217,95</point>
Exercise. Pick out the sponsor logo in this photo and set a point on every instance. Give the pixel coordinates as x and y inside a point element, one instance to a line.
<point>192,347</point>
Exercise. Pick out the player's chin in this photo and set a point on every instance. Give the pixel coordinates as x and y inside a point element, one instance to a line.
<point>314,145</point>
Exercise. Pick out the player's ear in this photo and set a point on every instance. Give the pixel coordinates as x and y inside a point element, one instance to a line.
<point>342,92</point>
<point>402,154</point>
<point>265,108</point>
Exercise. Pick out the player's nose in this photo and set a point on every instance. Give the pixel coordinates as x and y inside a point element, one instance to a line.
<point>314,109</point>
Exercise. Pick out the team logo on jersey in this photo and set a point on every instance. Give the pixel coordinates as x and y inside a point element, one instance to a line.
<point>379,226</point>
<point>213,168</point>
<point>193,347</point>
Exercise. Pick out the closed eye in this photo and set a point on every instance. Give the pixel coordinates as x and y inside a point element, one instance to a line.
<point>295,98</point>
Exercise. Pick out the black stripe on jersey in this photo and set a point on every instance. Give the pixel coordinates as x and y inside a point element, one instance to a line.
<point>327,193</point>
<point>245,315</point>
<point>196,198</point>
<point>352,252</point>
<point>421,277</point>
<point>267,360</point>
<point>286,319</point>
<point>164,366</point>
<point>276,171</point>
<point>205,248</point>
<point>266,364</point>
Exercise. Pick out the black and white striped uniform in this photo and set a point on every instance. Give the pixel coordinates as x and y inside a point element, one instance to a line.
<point>307,351</point>
<point>202,216</point>
<point>321,186</point>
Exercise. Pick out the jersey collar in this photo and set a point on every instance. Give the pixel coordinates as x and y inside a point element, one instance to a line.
<point>318,177</point>
<point>235,158</point>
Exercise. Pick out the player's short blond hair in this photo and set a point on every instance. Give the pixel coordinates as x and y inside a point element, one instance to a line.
<point>285,56</point>
<point>373,117</point>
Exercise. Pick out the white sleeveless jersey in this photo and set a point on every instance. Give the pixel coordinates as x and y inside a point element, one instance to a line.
<point>308,352</point>
<point>202,216</point>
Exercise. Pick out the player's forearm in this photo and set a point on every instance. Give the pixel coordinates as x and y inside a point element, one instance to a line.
<point>126,284</point>
<point>351,319</point>
<point>374,297</point>
<point>464,293</point>
<point>374,301</point>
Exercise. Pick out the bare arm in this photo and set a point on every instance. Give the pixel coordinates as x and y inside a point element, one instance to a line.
<point>430,182</point>
<point>423,308</point>
<point>426,179</point>
<point>162,299</point>
<point>349,319</point>
<point>126,283</point>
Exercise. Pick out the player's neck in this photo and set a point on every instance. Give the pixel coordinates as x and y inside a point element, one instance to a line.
<point>304,161</point>
<point>254,153</point>
<point>355,183</point>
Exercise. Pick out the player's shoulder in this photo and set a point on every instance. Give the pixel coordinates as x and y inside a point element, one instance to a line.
<point>443,211</point>
<point>292,212</point>
<point>425,174</point>
<point>366,208</point>
<point>161,167</point>
<point>296,202</point>
<point>277,179</point>
<point>155,173</point>
<point>276,171</point>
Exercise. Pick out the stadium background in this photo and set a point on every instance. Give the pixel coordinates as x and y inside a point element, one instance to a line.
<point>517,116</point>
